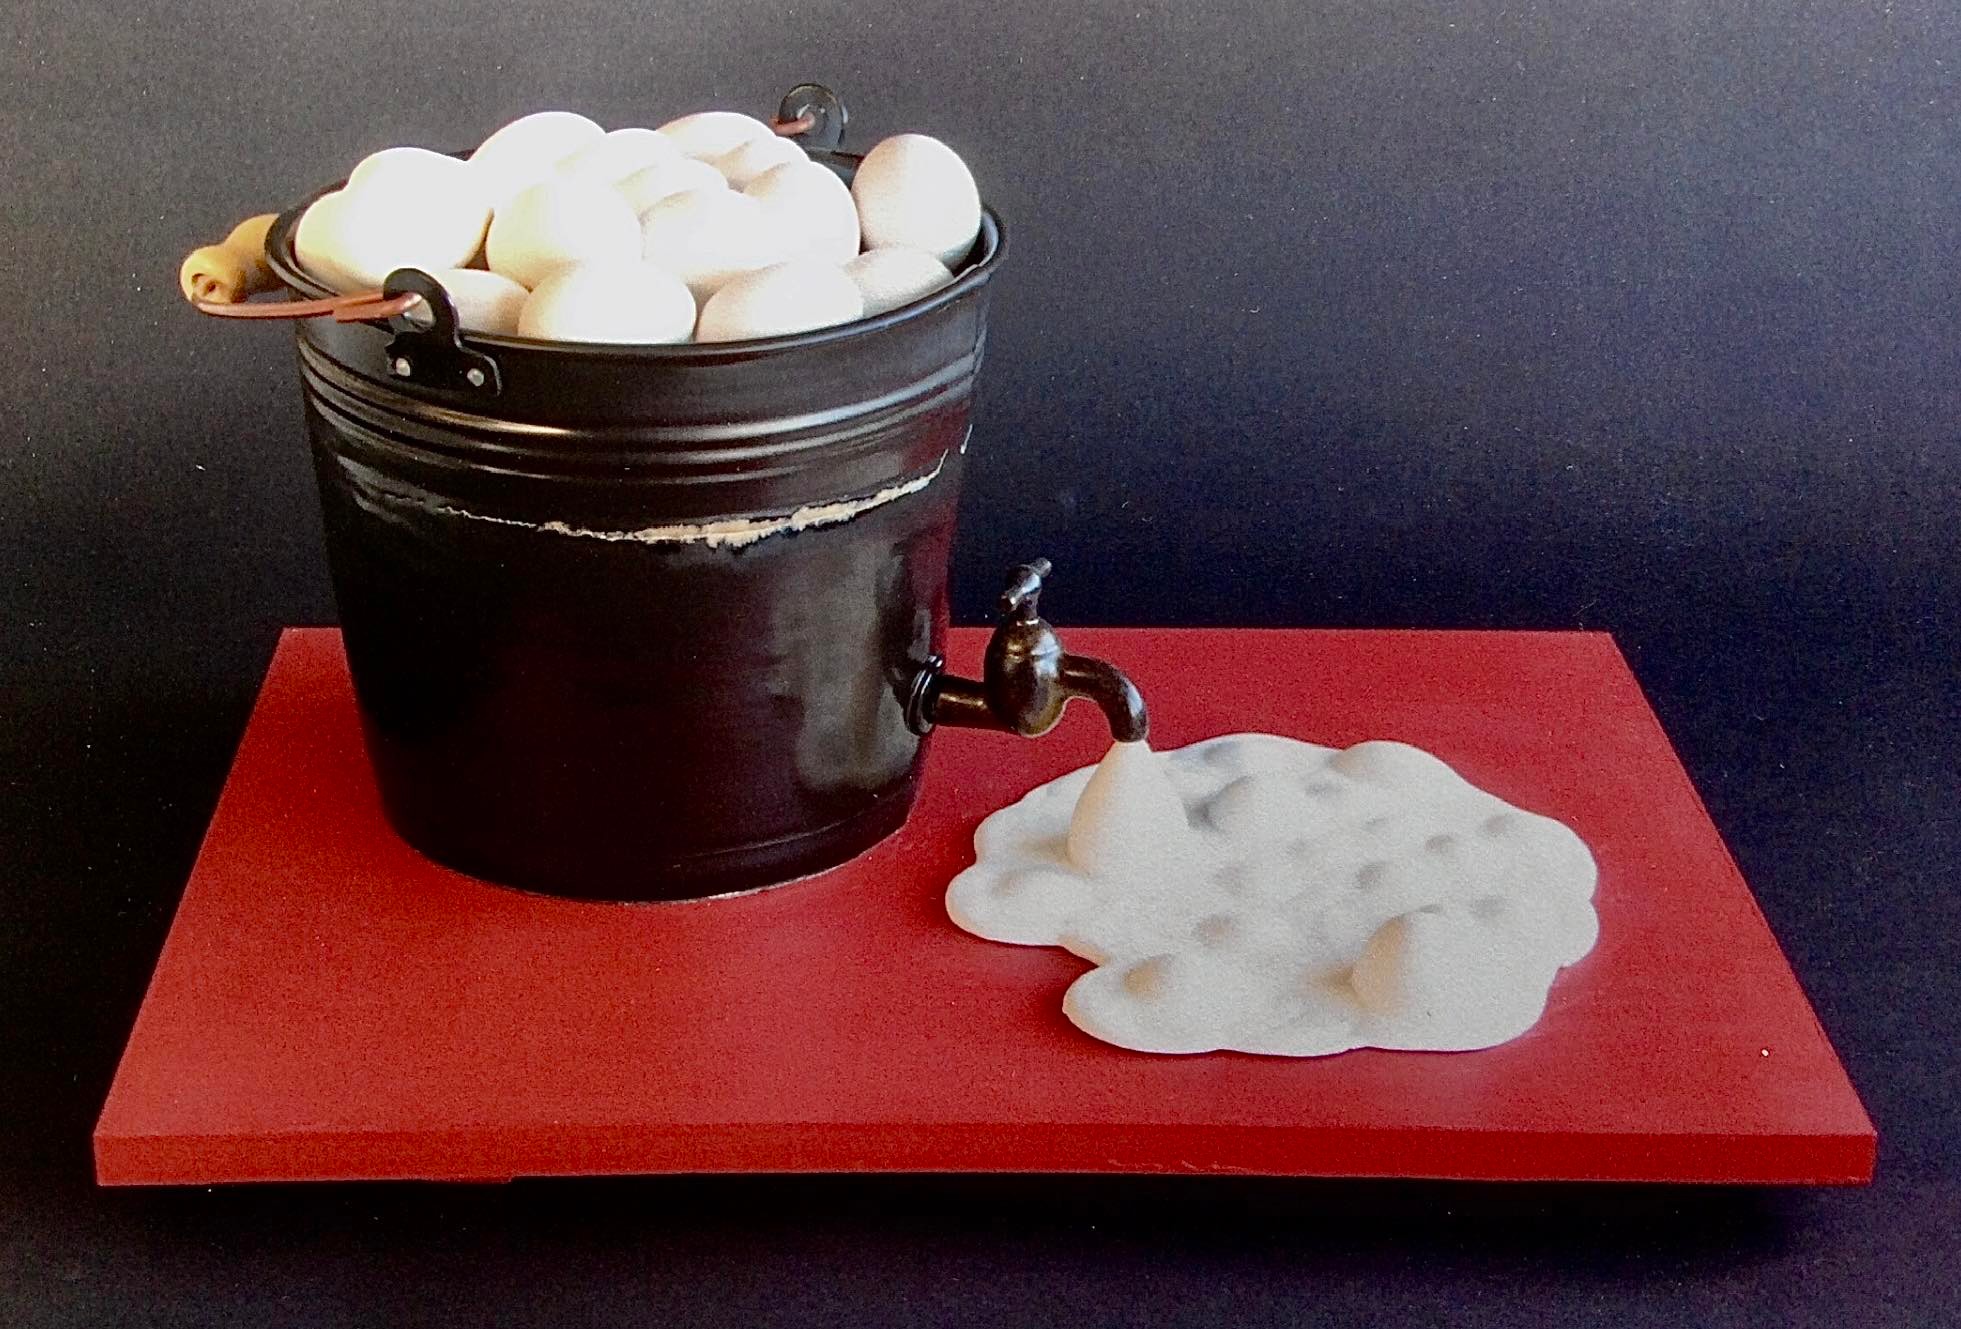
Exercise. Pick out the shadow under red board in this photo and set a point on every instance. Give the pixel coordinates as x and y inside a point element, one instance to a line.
<point>331,1006</point>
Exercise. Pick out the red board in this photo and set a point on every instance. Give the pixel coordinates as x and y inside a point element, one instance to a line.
<point>329,1005</point>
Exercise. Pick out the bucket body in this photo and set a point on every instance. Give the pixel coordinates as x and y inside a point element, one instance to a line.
<point>640,622</point>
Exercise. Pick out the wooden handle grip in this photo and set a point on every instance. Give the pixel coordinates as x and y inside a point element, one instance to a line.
<point>232,270</point>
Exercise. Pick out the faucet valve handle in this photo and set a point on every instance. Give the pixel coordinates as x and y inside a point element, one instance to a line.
<point>1024,588</point>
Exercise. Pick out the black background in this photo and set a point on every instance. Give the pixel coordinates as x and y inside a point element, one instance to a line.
<point>1644,317</point>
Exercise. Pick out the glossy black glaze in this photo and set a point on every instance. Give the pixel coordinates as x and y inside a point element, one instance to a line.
<point>655,717</point>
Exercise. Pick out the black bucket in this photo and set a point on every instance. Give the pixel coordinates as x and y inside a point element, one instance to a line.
<point>641,622</point>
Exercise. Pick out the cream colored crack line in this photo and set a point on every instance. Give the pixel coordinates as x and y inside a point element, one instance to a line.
<point>732,533</point>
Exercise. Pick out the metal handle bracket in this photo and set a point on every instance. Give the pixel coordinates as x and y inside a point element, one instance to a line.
<point>434,355</point>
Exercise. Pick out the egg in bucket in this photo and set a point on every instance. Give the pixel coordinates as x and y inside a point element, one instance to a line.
<point>631,616</point>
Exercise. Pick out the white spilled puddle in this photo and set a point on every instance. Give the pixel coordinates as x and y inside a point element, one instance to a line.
<point>1259,894</point>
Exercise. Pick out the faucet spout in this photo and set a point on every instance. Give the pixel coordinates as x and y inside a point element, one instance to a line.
<point>1112,691</point>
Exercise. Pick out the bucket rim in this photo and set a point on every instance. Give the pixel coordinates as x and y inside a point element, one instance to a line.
<point>992,242</point>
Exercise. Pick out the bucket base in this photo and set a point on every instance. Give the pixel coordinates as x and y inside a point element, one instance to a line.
<point>710,876</point>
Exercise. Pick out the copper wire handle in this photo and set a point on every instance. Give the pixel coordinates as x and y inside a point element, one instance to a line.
<point>791,128</point>
<point>372,305</point>
<point>356,307</point>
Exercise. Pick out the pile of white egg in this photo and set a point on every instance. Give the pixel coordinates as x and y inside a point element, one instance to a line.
<point>711,228</point>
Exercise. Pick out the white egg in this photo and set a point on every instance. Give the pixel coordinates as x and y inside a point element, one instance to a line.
<point>557,222</point>
<point>622,152</point>
<point>914,190</point>
<point>332,244</point>
<point>743,163</point>
<point>888,278</point>
<point>527,149</point>
<point>645,188</point>
<point>484,301</point>
<point>351,240</point>
<point>626,301</point>
<point>788,297</point>
<point>413,168</point>
<point>705,237</point>
<point>811,207</point>
<point>437,194</point>
<point>711,133</point>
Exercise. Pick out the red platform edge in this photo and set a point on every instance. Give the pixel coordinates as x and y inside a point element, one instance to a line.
<point>243,1066</point>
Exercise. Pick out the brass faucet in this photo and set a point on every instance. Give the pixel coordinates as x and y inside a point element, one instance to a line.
<point>1027,678</point>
